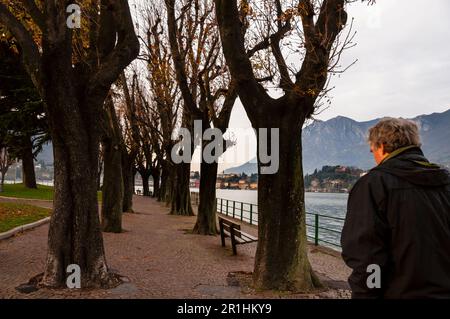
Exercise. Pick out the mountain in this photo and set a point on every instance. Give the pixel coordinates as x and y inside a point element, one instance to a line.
<point>248,168</point>
<point>342,141</point>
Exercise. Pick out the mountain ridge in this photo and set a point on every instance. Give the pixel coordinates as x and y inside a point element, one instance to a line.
<point>342,141</point>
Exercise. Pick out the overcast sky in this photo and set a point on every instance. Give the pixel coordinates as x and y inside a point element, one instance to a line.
<point>403,68</point>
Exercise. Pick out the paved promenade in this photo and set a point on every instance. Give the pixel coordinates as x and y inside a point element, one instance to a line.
<point>161,260</point>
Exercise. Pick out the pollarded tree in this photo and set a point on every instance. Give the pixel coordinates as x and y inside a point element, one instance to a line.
<point>113,186</point>
<point>73,69</point>
<point>164,100</point>
<point>131,138</point>
<point>258,35</point>
<point>149,157</point>
<point>208,93</point>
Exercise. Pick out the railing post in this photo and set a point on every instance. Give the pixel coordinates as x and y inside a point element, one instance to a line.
<point>242,208</point>
<point>316,229</point>
<point>234,208</point>
<point>227,208</point>
<point>251,214</point>
<point>221,205</point>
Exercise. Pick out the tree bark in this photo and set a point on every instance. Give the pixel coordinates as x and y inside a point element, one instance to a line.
<point>112,193</point>
<point>74,93</point>
<point>145,183</point>
<point>2,181</point>
<point>281,260</point>
<point>206,216</point>
<point>74,234</point>
<point>164,192</point>
<point>28,173</point>
<point>128,181</point>
<point>156,183</point>
<point>181,196</point>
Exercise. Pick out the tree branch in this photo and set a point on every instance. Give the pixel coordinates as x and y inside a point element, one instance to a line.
<point>275,39</point>
<point>319,38</point>
<point>178,61</point>
<point>237,58</point>
<point>30,53</point>
<point>223,119</point>
<point>123,53</point>
<point>35,13</point>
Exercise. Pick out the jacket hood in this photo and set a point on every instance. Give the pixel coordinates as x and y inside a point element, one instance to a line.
<point>411,165</point>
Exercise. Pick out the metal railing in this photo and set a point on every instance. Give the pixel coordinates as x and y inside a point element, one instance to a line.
<point>321,229</point>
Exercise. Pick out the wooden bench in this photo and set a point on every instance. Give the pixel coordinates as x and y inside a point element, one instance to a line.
<point>229,228</point>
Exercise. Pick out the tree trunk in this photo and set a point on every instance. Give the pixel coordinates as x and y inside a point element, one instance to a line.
<point>112,193</point>
<point>28,173</point>
<point>74,234</point>
<point>165,184</point>
<point>281,261</point>
<point>74,93</point>
<point>156,183</point>
<point>181,196</point>
<point>128,182</point>
<point>168,178</point>
<point>206,216</point>
<point>162,188</point>
<point>2,181</point>
<point>145,183</point>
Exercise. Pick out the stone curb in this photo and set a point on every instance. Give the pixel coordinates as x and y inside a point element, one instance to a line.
<point>22,228</point>
<point>28,199</point>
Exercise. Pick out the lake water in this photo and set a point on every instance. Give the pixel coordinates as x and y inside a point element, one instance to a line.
<point>331,208</point>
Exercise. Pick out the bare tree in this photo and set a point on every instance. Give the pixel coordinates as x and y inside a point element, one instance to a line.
<point>113,185</point>
<point>256,38</point>
<point>162,109</point>
<point>131,137</point>
<point>207,90</point>
<point>73,69</point>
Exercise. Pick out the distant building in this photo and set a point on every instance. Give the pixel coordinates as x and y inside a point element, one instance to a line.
<point>341,169</point>
<point>243,184</point>
<point>233,185</point>
<point>194,183</point>
<point>315,183</point>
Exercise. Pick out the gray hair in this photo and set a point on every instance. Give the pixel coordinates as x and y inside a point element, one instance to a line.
<point>394,133</point>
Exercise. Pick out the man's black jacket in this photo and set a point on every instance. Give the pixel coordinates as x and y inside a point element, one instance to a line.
<point>398,217</point>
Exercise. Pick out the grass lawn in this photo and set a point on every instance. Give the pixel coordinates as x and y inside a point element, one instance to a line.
<point>13,215</point>
<point>42,192</point>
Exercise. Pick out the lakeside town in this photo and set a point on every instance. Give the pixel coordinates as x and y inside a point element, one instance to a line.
<point>329,179</point>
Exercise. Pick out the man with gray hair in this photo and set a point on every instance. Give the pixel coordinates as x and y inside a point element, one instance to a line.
<point>398,220</point>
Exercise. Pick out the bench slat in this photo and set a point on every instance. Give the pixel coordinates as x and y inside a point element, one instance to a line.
<point>247,236</point>
<point>229,227</point>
